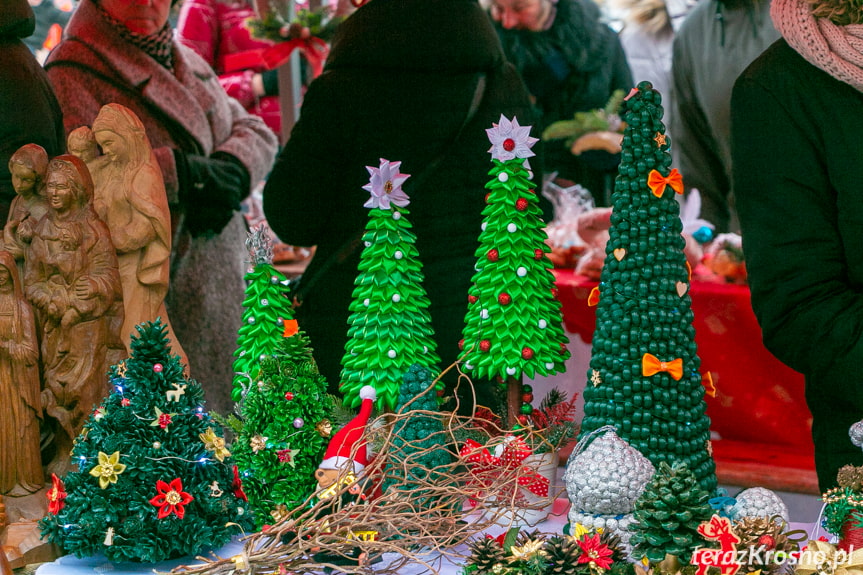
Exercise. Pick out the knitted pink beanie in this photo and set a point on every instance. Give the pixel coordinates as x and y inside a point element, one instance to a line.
<point>838,50</point>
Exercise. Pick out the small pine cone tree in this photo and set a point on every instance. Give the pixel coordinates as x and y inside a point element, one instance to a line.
<point>668,514</point>
<point>769,533</point>
<point>562,555</point>
<point>485,554</point>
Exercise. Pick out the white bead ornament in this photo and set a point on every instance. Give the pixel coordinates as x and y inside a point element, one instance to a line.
<point>397,298</point>
<point>542,324</point>
<point>503,176</point>
<point>483,314</point>
<point>397,215</point>
<point>391,354</point>
<point>521,272</point>
<point>511,228</point>
<point>367,302</point>
<point>398,255</point>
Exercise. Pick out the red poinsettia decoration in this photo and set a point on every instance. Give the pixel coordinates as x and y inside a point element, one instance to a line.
<point>237,486</point>
<point>56,495</point>
<point>171,498</point>
<point>594,552</point>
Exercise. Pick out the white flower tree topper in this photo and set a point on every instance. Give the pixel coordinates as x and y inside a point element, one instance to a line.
<point>390,325</point>
<point>513,324</point>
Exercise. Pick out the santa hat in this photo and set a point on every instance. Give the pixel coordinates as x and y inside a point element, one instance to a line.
<point>343,443</point>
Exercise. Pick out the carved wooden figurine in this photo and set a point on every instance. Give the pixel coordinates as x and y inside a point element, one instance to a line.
<point>20,407</point>
<point>130,198</point>
<point>27,166</point>
<point>71,278</point>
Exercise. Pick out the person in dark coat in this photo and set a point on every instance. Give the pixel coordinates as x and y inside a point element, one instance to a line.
<point>797,134</point>
<point>209,149</point>
<point>398,84</point>
<point>29,112</point>
<point>571,62</point>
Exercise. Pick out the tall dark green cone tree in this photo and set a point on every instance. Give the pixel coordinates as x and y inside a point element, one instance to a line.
<point>668,514</point>
<point>286,425</point>
<point>644,375</point>
<point>418,447</point>
<point>265,309</point>
<point>390,325</point>
<point>513,323</point>
<point>154,480</point>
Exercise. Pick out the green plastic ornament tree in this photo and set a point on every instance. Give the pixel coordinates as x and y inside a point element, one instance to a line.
<point>668,514</point>
<point>390,326</point>
<point>418,440</point>
<point>513,323</point>
<point>155,479</point>
<point>644,375</point>
<point>265,309</point>
<point>286,426</point>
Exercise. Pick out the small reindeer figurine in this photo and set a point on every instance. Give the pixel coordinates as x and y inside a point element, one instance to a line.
<point>174,394</point>
<point>724,558</point>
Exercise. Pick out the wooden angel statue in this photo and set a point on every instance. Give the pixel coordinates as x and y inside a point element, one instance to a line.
<point>130,198</point>
<point>27,166</point>
<point>20,407</point>
<point>81,142</point>
<point>71,277</point>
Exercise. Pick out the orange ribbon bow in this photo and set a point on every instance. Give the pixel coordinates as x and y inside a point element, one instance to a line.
<point>650,365</point>
<point>657,182</point>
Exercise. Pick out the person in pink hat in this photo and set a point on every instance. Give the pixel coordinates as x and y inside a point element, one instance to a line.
<point>797,136</point>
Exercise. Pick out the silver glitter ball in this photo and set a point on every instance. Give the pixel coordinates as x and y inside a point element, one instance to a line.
<point>856,434</point>
<point>758,502</point>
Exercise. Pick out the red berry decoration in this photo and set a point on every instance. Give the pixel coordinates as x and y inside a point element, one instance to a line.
<point>562,348</point>
<point>157,367</point>
<point>527,353</point>
<point>538,254</point>
<point>532,191</point>
<point>767,541</point>
<point>486,197</point>
<point>527,398</point>
<point>504,299</point>
<point>554,293</point>
<point>289,396</point>
<point>440,392</point>
<point>485,345</point>
<point>509,144</point>
<point>522,419</point>
<point>461,344</point>
<point>472,299</point>
<point>521,204</point>
<point>493,255</point>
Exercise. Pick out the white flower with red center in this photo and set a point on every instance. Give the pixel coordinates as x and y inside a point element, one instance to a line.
<point>509,140</point>
<point>385,186</point>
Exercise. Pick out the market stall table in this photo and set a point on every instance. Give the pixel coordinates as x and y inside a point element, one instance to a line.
<point>761,426</point>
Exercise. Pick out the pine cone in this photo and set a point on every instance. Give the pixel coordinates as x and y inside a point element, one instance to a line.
<point>755,532</point>
<point>485,554</point>
<point>562,558</point>
<point>850,476</point>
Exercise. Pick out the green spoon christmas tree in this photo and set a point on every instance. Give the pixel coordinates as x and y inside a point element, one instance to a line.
<point>513,323</point>
<point>644,378</point>
<point>155,479</point>
<point>390,326</point>
<point>265,309</point>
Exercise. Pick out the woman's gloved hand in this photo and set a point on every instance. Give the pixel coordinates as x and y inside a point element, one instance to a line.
<point>211,189</point>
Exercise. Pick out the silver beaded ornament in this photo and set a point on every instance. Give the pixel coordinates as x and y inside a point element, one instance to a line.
<point>758,502</point>
<point>617,524</point>
<point>856,434</point>
<point>607,476</point>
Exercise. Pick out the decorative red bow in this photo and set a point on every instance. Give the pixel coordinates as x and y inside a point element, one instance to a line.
<point>488,468</point>
<point>657,182</point>
<point>650,365</point>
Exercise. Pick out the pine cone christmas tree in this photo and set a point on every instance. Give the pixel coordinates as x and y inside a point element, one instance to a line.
<point>286,427</point>
<point>155,479</point>
<point>485,554</point>
<point>668,514</point>
<point>758,532</point>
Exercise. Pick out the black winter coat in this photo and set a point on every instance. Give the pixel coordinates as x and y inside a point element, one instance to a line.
<point>574,66</point>
<point>397,85</point>
<point>797,134</point>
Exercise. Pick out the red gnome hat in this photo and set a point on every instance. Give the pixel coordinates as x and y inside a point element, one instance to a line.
<point>338,453</point>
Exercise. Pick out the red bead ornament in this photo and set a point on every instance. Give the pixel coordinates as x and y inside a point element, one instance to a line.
<point>289,396</point>
<point>562,348</point>
<point>522,419</point>
<point>509,144</point>
<point>461,345</point>
<point>538,254</point>
<point>484,345</point>
<point>158,367</point>
<point>493,255</point>
<point>521,204</point>
<point>554,293</point>
<point>532,191</point>
<point>472,299</point>
<point>440,392</point>
<point>527,353</point>
<point>504,299</point>
<point>486,197</point>
<point>527,398</point>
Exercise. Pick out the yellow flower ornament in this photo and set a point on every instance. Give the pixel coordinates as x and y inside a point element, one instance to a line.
<point>108,469</point>
<point>214,443</point>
